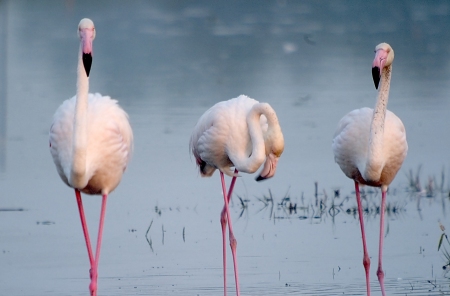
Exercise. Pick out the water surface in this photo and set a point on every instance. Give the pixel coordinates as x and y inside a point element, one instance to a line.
<point>167,62</point>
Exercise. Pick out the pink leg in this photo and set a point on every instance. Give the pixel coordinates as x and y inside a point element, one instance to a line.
<point>380,272</point>
<point>366,259</point>
<point>94,263</point>
<point>85,228</point>
<point>223,222</point>
<point>93,285</point>
<point>233,242</point>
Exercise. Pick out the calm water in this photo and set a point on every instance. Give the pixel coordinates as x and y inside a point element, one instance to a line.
<point>167,62</point>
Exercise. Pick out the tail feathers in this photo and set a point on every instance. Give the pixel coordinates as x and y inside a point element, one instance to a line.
<point>207,170</point>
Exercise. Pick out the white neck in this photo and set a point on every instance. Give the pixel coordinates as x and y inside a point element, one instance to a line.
<point>375,161</point>
<point>78,178</point>
<point>260,143</point>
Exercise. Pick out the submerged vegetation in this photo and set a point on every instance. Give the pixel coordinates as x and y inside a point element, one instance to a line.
<point>445,252</point>
<point>431,190</point>
<point>319,206</point>
<point>322,204</point>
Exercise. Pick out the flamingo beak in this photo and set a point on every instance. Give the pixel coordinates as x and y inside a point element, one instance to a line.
<point>376,76</point>
<point>87,62</point>
<point>87,35</point>
<point>378,65</point>
<point>270,166</point>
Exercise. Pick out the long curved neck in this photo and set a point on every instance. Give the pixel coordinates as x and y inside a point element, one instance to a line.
<point>375,160</point>
<point>78,171</point>
<point>250,164</point>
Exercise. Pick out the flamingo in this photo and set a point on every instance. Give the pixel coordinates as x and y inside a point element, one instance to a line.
<point>370,146</point>
<point>240,133</point>
<point>91,143</point>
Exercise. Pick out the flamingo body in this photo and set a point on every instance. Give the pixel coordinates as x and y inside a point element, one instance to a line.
<point>222,132</point>
<point>351,146</point>
<point>108,150</point>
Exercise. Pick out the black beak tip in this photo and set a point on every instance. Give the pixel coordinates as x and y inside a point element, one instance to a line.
<point>260,178</point>
<point>376,76</point>
<point>87,62</point>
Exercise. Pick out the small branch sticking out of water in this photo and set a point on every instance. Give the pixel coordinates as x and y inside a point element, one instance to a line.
<point>434,285</point>
<point>12,209</point>
<point>184,228</point>
<point>149,240</point>
<point>162,227</point>
<point>316,186</point>
<point>243,205</point>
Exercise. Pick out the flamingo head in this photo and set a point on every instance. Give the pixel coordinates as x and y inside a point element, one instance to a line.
<point>384,56</point>
<point>86,32</point>
<point>275,143</point>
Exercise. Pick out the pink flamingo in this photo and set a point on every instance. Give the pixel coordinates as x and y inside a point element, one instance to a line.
<point>370,146</point>
<point>239,133</point>
<point>91,143</point>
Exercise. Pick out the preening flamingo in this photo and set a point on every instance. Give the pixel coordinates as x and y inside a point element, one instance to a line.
<point>370,146</point>
<point>240,133</point>
<point>91,143</point>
